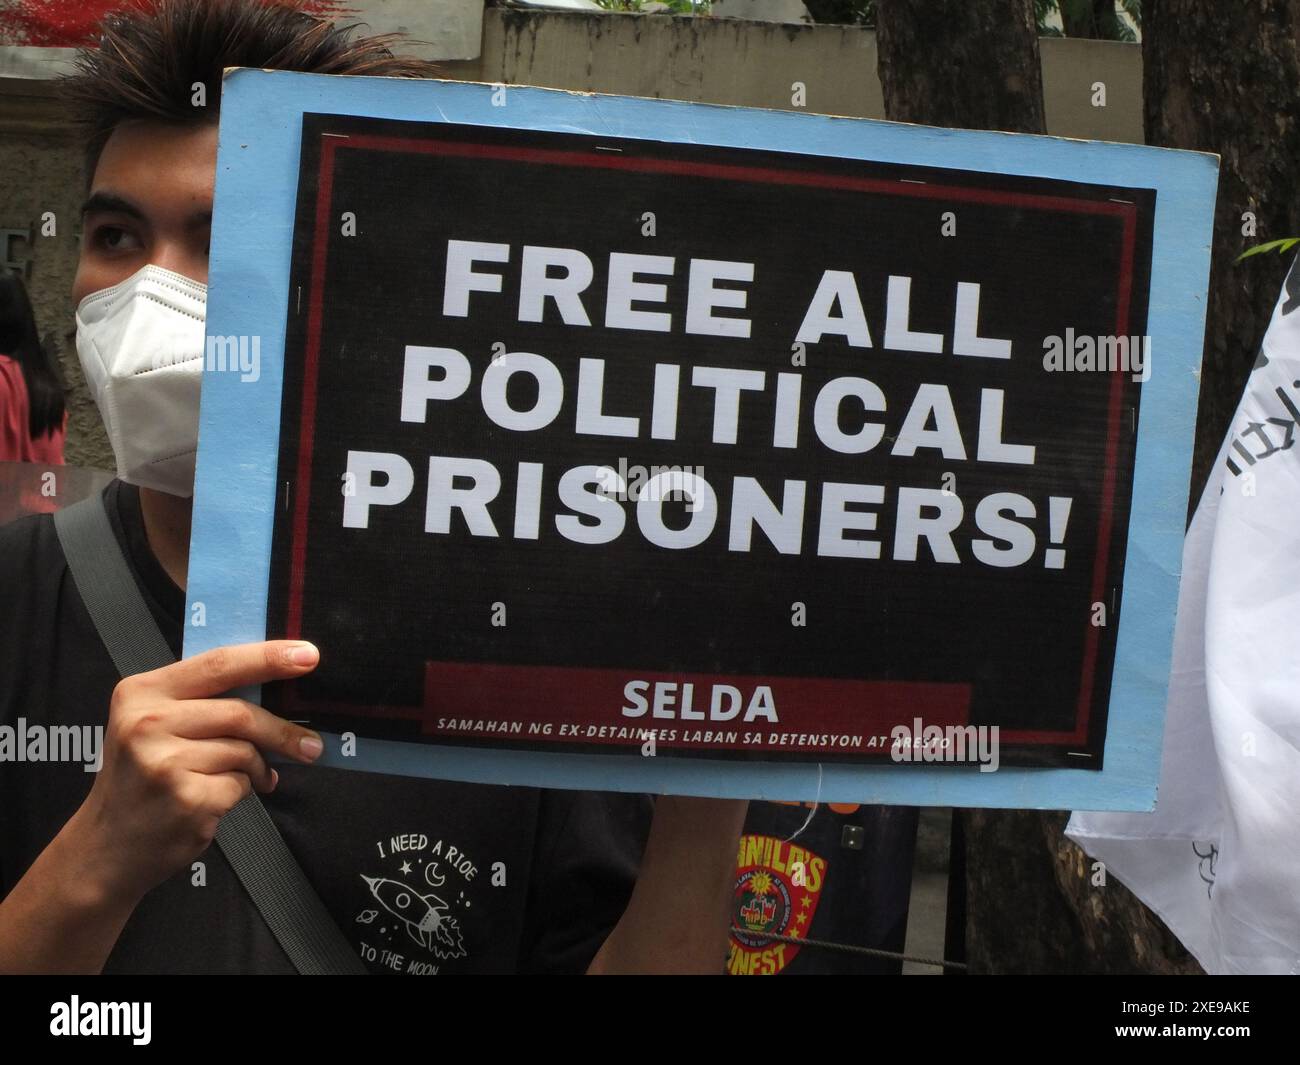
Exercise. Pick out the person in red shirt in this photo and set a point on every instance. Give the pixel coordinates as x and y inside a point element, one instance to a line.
<point>33,415</point>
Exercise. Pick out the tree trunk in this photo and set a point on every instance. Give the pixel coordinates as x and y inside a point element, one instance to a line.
<point>1225,78</point>
<point>1031,903</point>
<point>961,65</point>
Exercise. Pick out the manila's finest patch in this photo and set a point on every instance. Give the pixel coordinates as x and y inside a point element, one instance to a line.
<point>778,886</point>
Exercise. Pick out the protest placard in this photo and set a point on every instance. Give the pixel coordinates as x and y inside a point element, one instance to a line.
<point>608,442</point>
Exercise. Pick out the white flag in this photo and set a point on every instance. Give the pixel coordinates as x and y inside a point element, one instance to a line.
<point>1219,859</point>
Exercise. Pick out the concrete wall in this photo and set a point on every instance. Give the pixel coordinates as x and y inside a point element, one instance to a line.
<point>716,60</point>
<point>755,64</point>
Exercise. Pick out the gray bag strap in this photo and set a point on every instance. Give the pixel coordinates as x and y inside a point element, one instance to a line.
<point>247,835</point>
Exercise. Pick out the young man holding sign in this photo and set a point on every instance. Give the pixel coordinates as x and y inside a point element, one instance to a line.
<point>115,872</point>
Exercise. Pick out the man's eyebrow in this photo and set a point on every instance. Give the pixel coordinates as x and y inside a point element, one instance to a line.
<point>111,202</point>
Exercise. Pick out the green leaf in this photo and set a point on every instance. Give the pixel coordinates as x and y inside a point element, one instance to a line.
<point>1280,246</point>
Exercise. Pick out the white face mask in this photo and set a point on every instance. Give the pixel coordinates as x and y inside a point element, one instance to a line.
<point>141,345</point>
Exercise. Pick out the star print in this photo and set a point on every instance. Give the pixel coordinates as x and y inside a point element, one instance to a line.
<point>406,867</point>
<point>803,917</point>
<point>807,901</point>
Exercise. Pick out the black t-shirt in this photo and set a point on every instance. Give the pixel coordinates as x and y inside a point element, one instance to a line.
<point>422,876</point>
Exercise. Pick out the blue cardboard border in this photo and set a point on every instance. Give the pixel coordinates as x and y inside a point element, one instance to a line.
<point>257,177</point>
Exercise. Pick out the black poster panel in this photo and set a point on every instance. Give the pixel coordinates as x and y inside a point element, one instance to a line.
<point>591,443</point>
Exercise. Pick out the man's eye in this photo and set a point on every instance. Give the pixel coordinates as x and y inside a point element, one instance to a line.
<point>114,238</point>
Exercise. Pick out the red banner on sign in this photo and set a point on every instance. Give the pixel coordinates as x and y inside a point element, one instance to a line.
<point>623,707</point>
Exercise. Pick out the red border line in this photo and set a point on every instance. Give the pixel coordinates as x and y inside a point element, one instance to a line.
<point>727,172</point>
<point>1106,520</point>
<point>1125,212</point>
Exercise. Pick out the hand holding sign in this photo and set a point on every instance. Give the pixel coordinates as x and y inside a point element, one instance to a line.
<point>177,757</point>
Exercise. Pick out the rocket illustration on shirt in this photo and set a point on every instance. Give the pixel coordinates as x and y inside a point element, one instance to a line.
<point>425,916</point>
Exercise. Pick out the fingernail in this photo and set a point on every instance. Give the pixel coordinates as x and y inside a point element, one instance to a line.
<point>311,747</point>
<point>275,779</point>
<point>304,654</point>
